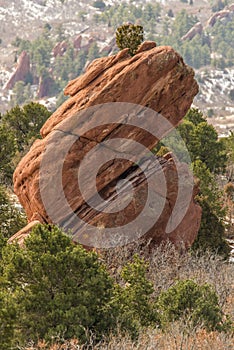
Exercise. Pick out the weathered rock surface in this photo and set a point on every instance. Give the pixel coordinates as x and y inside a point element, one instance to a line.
<point>156,77</point>
<point>196,29</point>
<point>22,70</point>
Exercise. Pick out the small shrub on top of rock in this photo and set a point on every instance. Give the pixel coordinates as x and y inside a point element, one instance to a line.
<point>129,36</point>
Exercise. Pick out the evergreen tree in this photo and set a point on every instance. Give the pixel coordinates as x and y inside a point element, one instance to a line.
<point>25,122</point>
<point>202,141</point>
<point>197,304</point>
<point>59,289</point>
<point>129,36</point>
<point>7,151</point>
<point>11,219</point>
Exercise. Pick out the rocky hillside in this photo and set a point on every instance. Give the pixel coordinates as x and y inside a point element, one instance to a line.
<point>61,36</point>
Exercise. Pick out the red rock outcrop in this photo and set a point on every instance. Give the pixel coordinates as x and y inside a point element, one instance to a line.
<point>22,70</point>
<point>196,29</point>
<point>150,78</point>
<point>226,14</point>
<point>87,46</point>
<point>60,48</point>
<point>77,42</point>
<point>155,77</point>
<point>44,88</point>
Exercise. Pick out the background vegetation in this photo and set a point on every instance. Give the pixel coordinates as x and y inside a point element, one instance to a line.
<point>213,47</point>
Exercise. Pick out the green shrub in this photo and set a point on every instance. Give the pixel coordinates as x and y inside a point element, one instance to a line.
<point>129,36</point>
<point>59,288</point>
<point>53,289</point>
<point>11,219</point>
<point>211,235</point>
<point>133,299</point>
<point>197,303</point>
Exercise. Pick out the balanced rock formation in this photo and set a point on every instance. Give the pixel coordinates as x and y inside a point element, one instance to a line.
<point>156,78</point>
<point>46,179</point>
<point>22,70</point>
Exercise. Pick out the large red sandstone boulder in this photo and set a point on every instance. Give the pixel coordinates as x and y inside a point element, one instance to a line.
<point>155,77</point>
<point>22,70</point>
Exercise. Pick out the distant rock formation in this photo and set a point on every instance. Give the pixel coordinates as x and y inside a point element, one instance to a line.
<point>44,88</point>
<point>196,29</point>
<point>60,48</point>
<point>77,42</point>
<point>155,77</point>
<point>22,71</point>
<point>87,46</point>
<point>110,47</point>
<point>226,14</point>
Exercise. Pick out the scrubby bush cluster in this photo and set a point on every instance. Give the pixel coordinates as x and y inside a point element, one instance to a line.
<point>52,289</point>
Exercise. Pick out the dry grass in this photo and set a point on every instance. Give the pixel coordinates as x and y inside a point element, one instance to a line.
<point>167,264</point>
<point>177,338</point>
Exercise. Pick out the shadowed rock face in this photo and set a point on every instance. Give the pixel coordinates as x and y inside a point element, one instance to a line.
<point>156,77</point>
<point>44,87</point>
<point>21,72</point>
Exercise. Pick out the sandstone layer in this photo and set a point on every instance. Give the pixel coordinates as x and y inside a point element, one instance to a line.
<point>157,78</point>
